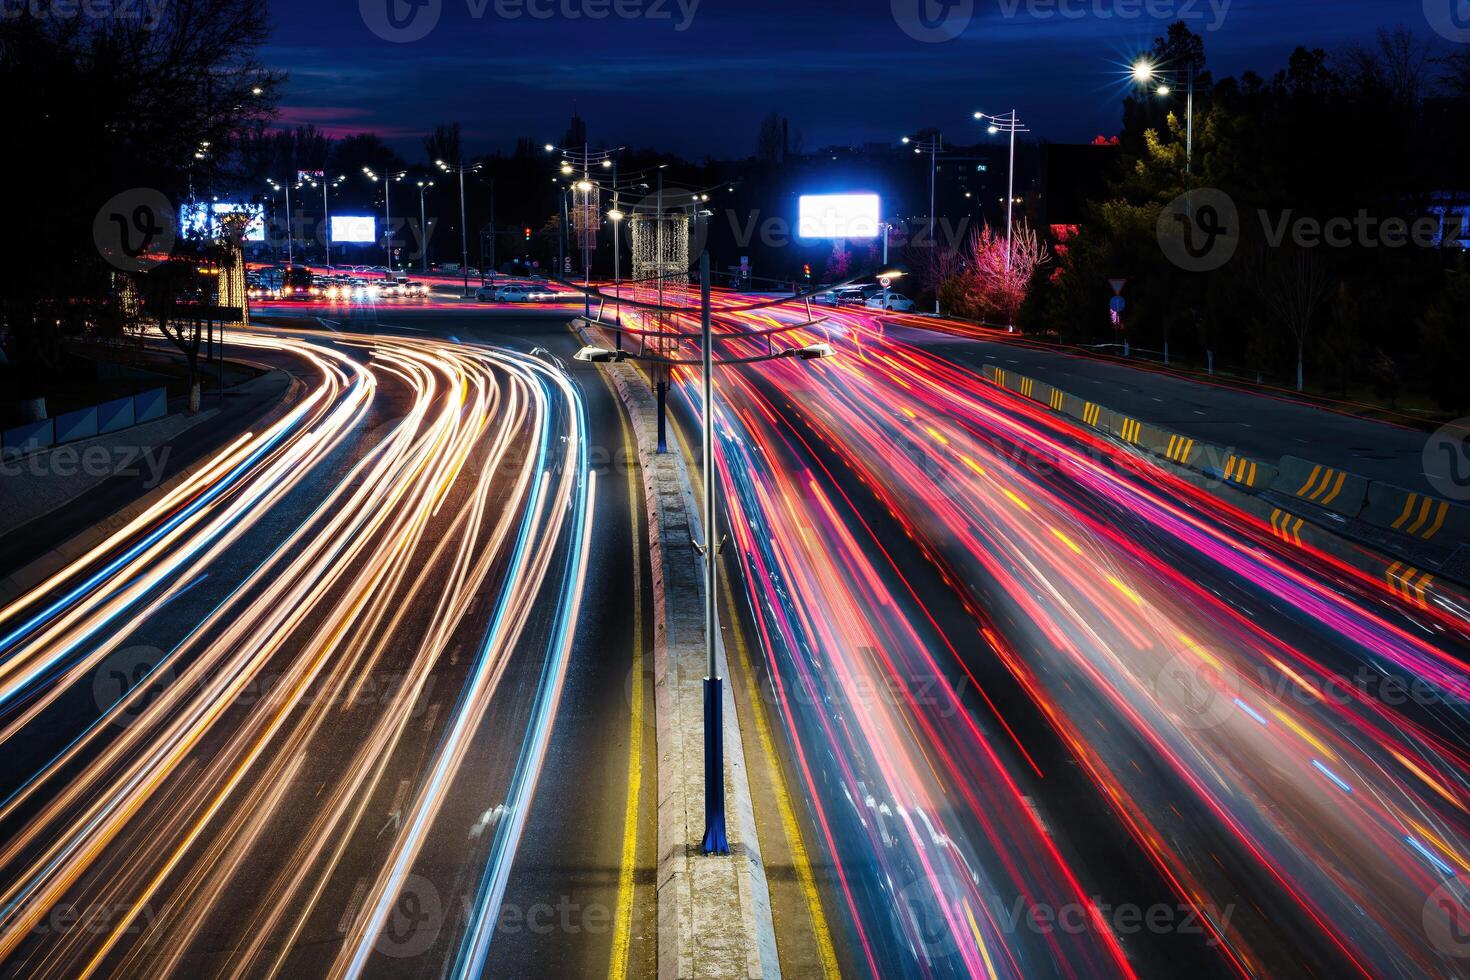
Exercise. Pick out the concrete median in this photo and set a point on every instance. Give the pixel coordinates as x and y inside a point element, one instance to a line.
<point>714,912</point>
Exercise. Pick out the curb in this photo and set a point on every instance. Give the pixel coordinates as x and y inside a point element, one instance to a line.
<point>714,913</point>
<point>22,580</point>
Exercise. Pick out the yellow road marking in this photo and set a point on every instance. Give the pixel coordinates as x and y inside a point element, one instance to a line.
<point>623,923</point>
<point>799,857</point>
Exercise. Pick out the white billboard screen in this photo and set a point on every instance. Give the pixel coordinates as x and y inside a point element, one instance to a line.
<point>353,228</point>
<point>838,216</point>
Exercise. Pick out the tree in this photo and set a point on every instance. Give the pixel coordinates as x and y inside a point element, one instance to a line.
<point>1293,283</point>
<point>171,294</point>
<point>444,144</point>
<point>109,104</point>
<point>773,142</point>
<point>990,287</point>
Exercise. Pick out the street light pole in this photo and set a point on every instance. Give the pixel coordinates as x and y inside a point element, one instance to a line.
<point>932,146</point>
<point>715,840</point>
<point>1011,124</point>
<point>423,229</point>
<point>464,230</point>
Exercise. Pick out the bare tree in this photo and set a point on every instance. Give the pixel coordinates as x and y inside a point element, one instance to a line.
<point>1000,285</point>
<point>1293,283</point>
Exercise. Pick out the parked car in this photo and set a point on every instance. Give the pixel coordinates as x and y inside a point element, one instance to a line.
<point>895,303</point>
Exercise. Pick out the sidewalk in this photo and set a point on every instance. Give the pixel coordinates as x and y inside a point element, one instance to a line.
<point>75,491</point>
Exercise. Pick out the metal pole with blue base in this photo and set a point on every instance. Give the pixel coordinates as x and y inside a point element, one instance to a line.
<point>715,841</point>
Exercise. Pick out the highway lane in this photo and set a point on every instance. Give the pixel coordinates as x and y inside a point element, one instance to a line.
<point>290,721</point>
<point>1251,791</point>
<point>568,882</point>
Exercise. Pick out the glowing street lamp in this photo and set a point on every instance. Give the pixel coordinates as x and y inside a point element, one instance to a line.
<point>424,186</point>
<point>1144,73</point>
<point>464,233</point>
<point>387,182</point>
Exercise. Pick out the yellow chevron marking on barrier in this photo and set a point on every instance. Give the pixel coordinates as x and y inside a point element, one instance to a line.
<point>1444,510</point>
<point>1341,479</point>
<point>1423,516</point>
<point>1091,413</point>
<point>1311,479</point>
<point>1252,481</point>
<point>1283,528</point>
<point>1027,386</point>
<point>1408,582</point>
<point>1230,462</point>
<point>1000,377</point>
<point>1056,400</point>
<point>1408,509</point>
<point>1179,449</point>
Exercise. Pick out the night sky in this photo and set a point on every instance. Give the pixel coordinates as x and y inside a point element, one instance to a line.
<point>843,72</point>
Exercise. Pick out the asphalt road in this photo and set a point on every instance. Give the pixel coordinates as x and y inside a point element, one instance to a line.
<point>1054,712</point>
<point>386,594</point>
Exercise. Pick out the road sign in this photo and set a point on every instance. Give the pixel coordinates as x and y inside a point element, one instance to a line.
<point>1117,304</point>
<point>1117,285</point>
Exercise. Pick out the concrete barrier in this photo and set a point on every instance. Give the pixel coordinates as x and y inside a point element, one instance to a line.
<point>72,426</point>
<point>150,405</point>
<point>1331,489</point>
<point>114,415</point>
<point>1416,515</point>
<point>28,438</point>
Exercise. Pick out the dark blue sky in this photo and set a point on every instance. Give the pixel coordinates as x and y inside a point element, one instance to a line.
<point>844,72</point>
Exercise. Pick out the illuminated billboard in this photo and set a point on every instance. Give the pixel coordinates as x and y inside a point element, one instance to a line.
<point>200,220</point>
<point>354,228</point>
<point>838,216</point>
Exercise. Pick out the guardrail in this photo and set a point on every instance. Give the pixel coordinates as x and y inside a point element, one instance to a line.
<point>85,423</point>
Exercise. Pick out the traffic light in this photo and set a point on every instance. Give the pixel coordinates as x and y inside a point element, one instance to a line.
<point>528,234</point>
<point>806,270</point>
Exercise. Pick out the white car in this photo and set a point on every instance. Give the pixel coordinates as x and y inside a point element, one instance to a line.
<point>895,303</point>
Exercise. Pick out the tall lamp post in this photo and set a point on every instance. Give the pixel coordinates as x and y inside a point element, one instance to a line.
<point>424,186</point>
<point>290,254</point>
<point>327,212</point>
<point>1144,73</point>
<point>932,145</point>
<point>584,160</point>
<point>715,840</point>
<point>1007,123</point>
<point>387,181</point>
<point>464,231</point>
